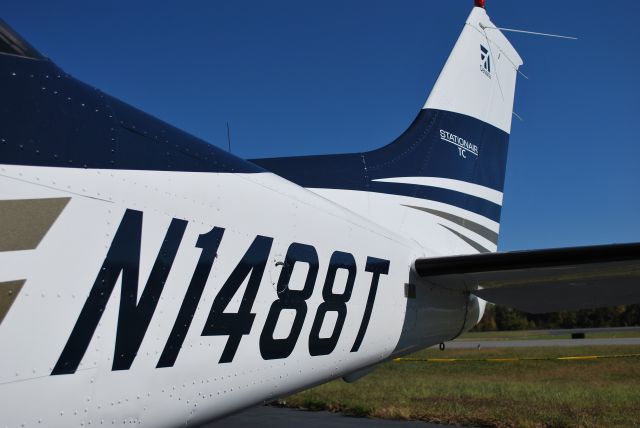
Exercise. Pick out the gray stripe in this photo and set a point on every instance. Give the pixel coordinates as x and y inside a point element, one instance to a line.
<point>8,293</point>
<point>474,244</point>
<point>24,222</point>
<point>486,233</point>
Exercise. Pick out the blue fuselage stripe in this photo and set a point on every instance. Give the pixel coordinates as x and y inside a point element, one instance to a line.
<point>450,197</point>
<point>478,157</point>
<point>48,118</point>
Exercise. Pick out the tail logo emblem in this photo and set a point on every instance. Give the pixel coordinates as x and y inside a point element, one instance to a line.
<point>485,57</point>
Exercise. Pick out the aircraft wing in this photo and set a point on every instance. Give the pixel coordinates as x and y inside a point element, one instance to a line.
<point>541,281</point>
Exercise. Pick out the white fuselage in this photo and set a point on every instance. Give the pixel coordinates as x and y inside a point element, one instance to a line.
<point>59,275</point>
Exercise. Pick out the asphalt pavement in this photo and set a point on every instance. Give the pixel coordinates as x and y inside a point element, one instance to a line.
<point>267,416</point>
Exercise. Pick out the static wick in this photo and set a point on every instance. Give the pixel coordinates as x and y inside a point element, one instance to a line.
<point>518,116</point>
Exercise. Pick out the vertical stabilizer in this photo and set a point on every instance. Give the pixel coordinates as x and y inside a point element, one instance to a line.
<point>479,78</point>
<point>442,180</point>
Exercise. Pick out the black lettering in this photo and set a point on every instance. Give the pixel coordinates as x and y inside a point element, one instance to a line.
<point>209,242</point>
<point>123,258</point>
<point>377,267</point>
<point>271,348</point>
<point>220,323</point>
<point>333,303</point>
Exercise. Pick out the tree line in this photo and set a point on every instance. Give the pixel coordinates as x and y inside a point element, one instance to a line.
<point>501,318</point>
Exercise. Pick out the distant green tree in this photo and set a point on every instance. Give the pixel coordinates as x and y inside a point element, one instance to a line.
<point>502,318</point>
<point>631,316</point>
<point>511,319</point>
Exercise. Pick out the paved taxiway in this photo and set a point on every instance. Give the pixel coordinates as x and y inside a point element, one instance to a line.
<point>265,416</point>
<point>473,344</point>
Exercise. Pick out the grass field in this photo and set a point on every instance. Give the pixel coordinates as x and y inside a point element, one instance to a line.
<point>540,393</point>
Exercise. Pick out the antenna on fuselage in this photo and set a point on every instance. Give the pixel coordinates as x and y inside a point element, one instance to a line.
<point>228,138</point>
<point>531,33</point>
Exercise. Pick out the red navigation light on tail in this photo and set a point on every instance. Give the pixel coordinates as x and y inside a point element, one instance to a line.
<point>479,3</point>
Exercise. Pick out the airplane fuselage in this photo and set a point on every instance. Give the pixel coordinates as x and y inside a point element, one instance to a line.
<point>174,283</point>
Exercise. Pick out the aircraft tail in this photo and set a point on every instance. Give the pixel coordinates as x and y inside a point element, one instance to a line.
<point>450,163</point>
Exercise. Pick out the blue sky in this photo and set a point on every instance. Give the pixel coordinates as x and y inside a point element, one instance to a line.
<point>296,77</point>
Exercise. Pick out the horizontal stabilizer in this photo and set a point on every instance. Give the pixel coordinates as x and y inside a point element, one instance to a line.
<point>541,281</point>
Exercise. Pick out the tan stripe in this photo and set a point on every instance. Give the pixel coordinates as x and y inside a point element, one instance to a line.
<point>24,222</point>
<point>485,232</point>
<point>469,241</point>
<point>8,293</point>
